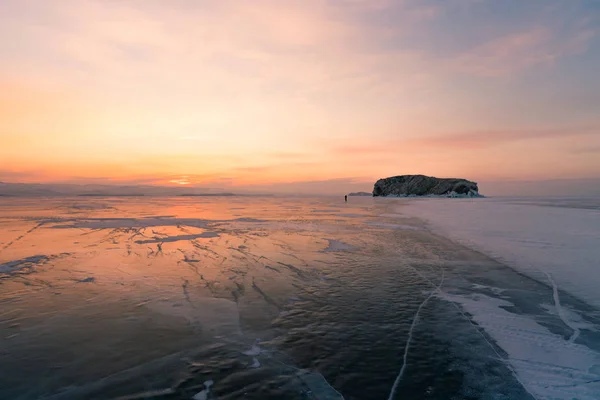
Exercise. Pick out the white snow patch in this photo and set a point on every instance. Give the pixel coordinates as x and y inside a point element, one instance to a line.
<point>560,311</point>
<point>337,246</point>
<point>203,395</point>
<point>548,366</point>
<point>554,245</point>
<point>575,319</point>
<point>492,289</point>
<point>320,388</point>
<point>537,240</point>
<point>254,351</point>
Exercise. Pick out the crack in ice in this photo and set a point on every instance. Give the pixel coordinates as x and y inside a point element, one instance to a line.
<point>560,310</point>
<point>410,334</point>
<point>477,329</point>
<point>308,372</point>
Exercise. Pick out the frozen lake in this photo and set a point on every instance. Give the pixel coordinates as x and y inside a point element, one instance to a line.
<point>307,298</point>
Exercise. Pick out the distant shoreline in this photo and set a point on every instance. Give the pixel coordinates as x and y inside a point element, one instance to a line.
<point>209,195</point>
<point>109,195</point>
<point>151,195</point>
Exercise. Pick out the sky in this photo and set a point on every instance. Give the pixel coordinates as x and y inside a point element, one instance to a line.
<point>237,93</point>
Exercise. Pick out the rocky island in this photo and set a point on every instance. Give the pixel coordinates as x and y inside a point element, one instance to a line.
<point>421,185</point>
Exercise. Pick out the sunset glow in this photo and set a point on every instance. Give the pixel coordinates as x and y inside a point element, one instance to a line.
<point>249,93</point>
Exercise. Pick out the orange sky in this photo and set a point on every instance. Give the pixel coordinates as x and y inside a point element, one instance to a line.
<point>234,93</point>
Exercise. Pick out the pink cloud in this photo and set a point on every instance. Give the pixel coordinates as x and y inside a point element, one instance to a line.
<point>489,138</point>
<point>458,141</point>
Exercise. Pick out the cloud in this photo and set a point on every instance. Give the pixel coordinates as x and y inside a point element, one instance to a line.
<point>8,175</point>
<point>586,149</point>
<point>518,51</point>
<point>289,155</point>
<point>507,54</point>
<point>246,91</point>
<point>457,141</point>
<point>489,138</point>
<point>235,46</point>
<point>231,46</point>
<point>301,50</point>
<point>365,149</point>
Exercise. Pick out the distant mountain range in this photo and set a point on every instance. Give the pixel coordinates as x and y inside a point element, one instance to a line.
<point>365,194</point>
<point>52,190</point>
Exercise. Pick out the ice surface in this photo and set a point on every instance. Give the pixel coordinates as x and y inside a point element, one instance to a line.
<point>549,366</point>
<point>557,246</point>
<point>410,336</point>
<point>537,240</point>
<point>213,315</point>
<point>152,297</point>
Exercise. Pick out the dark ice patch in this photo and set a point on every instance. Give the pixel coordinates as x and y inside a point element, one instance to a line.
<point>338,246</point>
<point>168,239</point>
<point>17,265</point>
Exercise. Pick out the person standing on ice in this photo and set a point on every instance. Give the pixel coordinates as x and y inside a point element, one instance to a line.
<point>346,198</point>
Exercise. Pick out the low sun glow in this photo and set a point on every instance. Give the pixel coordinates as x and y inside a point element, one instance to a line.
<point>183,181</point>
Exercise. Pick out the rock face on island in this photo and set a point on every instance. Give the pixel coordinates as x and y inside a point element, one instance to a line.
<point>421,185</point>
